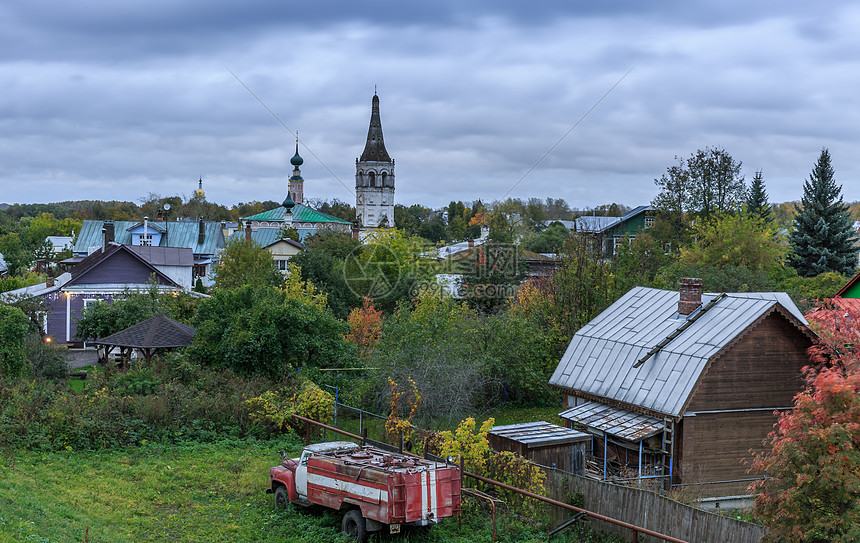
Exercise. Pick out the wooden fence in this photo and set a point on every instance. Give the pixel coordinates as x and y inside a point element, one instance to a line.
<point>647,509</point>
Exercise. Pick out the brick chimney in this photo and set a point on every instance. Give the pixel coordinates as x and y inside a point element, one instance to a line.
<point>201,232</point>
<point>248,232</point>
<point>471,243</point>
<point>691,295</point>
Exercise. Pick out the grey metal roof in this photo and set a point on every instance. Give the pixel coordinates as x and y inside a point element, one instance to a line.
<point>538,434</point>
<point>177,234</point>
<point>164,256</point>
<point>596,224</point>
<point>615,421</point>
<point>600,358</point>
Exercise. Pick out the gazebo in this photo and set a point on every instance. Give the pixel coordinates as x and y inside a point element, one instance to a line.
<point>148,337</point>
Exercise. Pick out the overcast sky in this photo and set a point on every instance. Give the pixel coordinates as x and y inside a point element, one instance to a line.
<point>116,99</point>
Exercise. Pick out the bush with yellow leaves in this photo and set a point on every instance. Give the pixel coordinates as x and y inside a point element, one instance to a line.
<point>505,467</point>
<point>275,408</point>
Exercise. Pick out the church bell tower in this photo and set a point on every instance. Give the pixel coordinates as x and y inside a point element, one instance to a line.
<point>374,178</point>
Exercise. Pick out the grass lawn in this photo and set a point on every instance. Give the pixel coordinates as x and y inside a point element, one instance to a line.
<point>199,492</point>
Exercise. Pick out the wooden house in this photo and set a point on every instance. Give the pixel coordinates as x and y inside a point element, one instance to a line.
<point>683,389</point>
<point>613,232</point>
<point>543,443</point>
<point>106,274</point>
<point>205,239</point>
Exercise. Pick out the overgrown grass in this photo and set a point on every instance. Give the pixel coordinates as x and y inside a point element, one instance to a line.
<point>189,493</point>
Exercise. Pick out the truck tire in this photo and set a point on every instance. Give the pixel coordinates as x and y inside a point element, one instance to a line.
<point>281,499</point>
<point>354,525</point>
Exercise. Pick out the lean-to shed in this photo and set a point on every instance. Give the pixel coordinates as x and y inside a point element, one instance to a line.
<point>543,443</point>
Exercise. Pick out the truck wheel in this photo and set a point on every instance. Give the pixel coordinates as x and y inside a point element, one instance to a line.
<point>281,500</point>
<point>354,525</point>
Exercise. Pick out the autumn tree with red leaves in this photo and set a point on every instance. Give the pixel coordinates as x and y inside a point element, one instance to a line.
<point>365,327</point>
<point>811,492</point>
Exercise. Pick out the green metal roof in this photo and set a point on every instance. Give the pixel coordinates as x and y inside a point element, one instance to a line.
<point>301,213</point>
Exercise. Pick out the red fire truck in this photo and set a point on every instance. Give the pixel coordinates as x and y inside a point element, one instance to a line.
<point>374,489</point>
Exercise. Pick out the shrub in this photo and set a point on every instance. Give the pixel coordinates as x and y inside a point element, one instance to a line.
<point>47,361</point>
<point>14,328</point>
<point>274,410</point>
<point>512,469</point>
<point>465,441</point>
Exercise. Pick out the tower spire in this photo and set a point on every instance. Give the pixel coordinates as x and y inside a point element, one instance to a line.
<point>374,149</point>
<point>374,177</point>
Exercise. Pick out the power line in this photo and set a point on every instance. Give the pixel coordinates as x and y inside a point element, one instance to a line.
<point>295,134</point>
<point>551,149</point>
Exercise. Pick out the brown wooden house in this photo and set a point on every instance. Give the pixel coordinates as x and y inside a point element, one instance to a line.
<point>683,388</point>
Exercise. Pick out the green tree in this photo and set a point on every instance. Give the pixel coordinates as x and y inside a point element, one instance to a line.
<point>812,490</point>
<point>433,230</point>
<point>322,261</point>
<point>339,208</point>
<point>493,273</point>
<point>501,230</point>
<point>245,262</point>
<point>104,318</point>
<point>756,199</point>
<point>822,239</point>
<point>637,263</point>
<point>388,267</point>
<point>581,287</point>
<point>45,224</point>
<point>709,182</point>
<point>673,205</point>
<point>263,330</point>
<point>14,252</point>
<point>410,219</point>
<point>716,183</point>
<point>551,240</point>
<point>14,330</point>
<point>735,240</point>
<point>288,232</point>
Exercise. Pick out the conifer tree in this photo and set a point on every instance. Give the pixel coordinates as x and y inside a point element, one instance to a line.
<point>822,239</point>
<point>756,199</point>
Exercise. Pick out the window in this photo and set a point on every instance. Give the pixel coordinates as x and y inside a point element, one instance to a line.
<point>282,264</point>
<point>305,457</point>
<point>649,222</point>
<point>145,241</point>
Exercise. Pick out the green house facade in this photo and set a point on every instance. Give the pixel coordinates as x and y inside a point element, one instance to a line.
<point>612,232</point>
